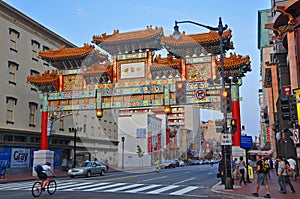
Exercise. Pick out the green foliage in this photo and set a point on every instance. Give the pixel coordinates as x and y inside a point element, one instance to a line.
<point>139,151</point>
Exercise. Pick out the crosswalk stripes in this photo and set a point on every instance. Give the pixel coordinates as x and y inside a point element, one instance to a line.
<point>143,188</point>
<point>67,185</point>
<point>163,189</point>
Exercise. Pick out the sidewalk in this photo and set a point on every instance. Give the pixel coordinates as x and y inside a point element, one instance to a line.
<point>245,191</point>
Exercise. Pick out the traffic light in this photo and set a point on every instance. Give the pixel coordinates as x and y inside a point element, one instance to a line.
<point>233,125</point>
<point>293,110</point>
<point>285,108</point>
<point>180,92</point>
<point>225,100</point>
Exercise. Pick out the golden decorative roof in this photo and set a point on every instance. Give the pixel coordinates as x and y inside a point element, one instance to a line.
<point>128,36</point>
<point>66,53</point>
<point>233,61</point>
<point>210,37</point>
<point>97,68</point>
<point>46,78</point>
<point>165,62</point>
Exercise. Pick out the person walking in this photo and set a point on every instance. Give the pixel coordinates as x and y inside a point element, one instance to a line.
<point>293,166</point>
<point>262,178</point>
<point>281,175</point>
<point>220,169</point>
<point>157,165</point>
<point>234,168</point>
<point>242,166</point>
<point>287,177</point>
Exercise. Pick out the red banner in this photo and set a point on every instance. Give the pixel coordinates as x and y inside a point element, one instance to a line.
<point>168,139</point>
<point>268,133</point>
<point>149,143</point>
<point>158,142</point>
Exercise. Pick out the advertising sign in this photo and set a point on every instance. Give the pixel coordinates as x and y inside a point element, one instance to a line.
<point>4,157</point>
<point>57,157</point>
<point>20,158</point>
<point>246,142</point>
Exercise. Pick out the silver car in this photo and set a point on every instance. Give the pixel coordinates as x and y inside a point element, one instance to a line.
<point>89,168</point>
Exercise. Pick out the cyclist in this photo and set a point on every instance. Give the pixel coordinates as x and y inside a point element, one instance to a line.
<point>43,174</point>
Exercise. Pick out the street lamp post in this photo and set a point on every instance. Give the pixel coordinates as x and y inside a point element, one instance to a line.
<point>74,130</point>
<point>227,149</point>
<point>123,140</point>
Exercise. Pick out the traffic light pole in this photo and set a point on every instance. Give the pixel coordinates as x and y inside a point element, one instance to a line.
<point>227,149</point>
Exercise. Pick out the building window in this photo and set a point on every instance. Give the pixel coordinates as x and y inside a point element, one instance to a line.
<point>35,49</point>
<point>12,68</point>
<point>11,105</point>
<point>61,124</point>
<point>33,73</point>
<point>14,38</point>
<point>46,48</point>
<point>32,113</point>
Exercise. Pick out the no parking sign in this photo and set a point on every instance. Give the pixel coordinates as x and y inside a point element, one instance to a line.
<point>296,136</point>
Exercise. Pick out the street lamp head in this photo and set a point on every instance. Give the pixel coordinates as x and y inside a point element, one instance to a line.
<point>176,33</point>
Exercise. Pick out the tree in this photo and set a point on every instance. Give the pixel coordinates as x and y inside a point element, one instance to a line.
<point>140,153</point>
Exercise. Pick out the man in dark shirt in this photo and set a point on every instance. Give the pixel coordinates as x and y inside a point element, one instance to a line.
<point>262,178</point>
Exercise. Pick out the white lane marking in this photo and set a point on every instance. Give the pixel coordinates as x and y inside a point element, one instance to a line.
<point>189,179</point>
<point>123,188</point>
<point>157,191</point>
<point>66,186</point>
<point>143,188</point>
<point>184,190</point>
<point>106,187</point>
<point>88,186</point>
<point>154,178</point>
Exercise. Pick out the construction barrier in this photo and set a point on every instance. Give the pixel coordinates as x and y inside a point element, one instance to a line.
<point>250,172</point>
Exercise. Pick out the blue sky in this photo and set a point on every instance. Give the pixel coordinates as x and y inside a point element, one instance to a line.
<point>78,21</point>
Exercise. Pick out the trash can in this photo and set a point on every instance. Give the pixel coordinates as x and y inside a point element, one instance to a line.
<point>2,172</point>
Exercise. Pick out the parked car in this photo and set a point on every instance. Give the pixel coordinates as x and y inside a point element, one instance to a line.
<point>167,164</point>
<point>181,163</point>
<point>89,168</point>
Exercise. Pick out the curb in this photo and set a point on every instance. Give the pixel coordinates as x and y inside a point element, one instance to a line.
<point>218,188</point>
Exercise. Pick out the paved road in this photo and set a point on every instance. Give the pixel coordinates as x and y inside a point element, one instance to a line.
<point>185,182</point>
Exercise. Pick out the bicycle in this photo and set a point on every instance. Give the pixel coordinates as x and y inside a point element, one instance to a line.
<point>37,187</point>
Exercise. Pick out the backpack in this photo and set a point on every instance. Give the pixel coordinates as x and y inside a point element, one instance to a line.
<point>265,167</point>
<point>38,168</point>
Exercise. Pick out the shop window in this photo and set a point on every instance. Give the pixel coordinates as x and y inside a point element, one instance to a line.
<point>8,138</point>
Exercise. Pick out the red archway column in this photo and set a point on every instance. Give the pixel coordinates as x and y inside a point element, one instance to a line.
<point>235,104</point>
<point>44,125</point>
<point>44,138</point>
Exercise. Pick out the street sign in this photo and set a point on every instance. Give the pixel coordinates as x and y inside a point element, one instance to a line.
<point>296,136</point>
<point>226,139</point>
<point>200,94</point>
<point>246,142</point>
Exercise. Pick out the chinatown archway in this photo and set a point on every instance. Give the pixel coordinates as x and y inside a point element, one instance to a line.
<point>136,77</point>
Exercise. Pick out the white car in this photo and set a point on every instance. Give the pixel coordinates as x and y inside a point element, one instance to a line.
<point>89,168</point>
